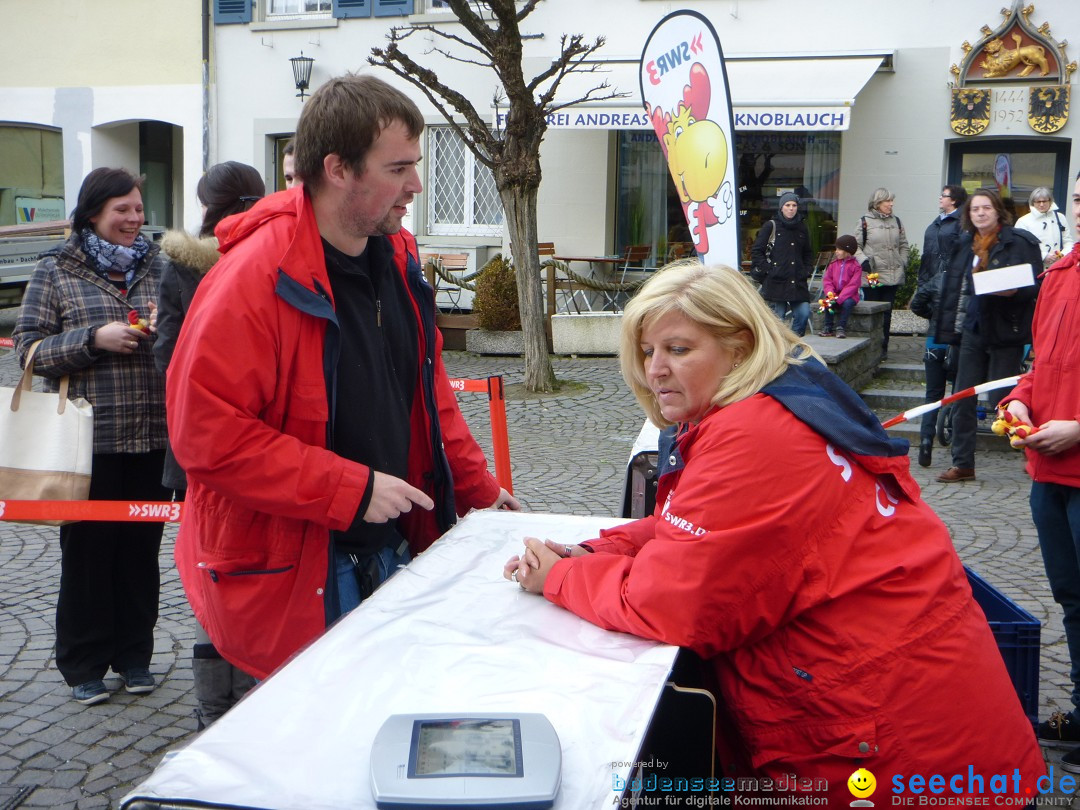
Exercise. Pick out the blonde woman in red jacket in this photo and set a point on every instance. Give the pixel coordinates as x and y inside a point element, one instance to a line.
<point>790,549</point>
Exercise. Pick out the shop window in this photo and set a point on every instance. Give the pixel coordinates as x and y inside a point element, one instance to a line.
<point>772,163</point>
<point>1014,169</point>
<point>279,8</point>
<point>461,194</point>
<point>31,175</point>
<point>648,210</point>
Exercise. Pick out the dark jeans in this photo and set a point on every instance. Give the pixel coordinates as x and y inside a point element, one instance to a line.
<point>845,313</point>
<point>800,314</point>
<point>1055,509</point>
<point>356,580</point>
<point>934,362</point>
<point>109,578</point>
<point>886,293</point>
<point>978,364</point>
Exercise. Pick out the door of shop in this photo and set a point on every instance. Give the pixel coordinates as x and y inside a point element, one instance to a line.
<point>1013,168</point>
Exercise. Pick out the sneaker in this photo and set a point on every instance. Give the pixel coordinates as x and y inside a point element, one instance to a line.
<point>826,333</point>
<point>840,333</point>
<point>138,680</point>
<point>954,474</point>
<point>1071,761</point>
<point>1060,729</point>
<point>90,693</point>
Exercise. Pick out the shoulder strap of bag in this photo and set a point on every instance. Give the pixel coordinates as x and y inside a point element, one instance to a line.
<point>1061,230</point>
<point>772,236</point>
<point>26,382</point>
<point>863,221</point>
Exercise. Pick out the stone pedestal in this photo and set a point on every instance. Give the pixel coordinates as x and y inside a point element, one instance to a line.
<point>595,333</point>
<point>482,341</point>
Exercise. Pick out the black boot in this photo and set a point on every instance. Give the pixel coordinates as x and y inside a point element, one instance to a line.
<point>926,450</point>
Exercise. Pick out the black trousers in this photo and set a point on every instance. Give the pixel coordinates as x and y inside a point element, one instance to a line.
<point>109,577</point>
<point>935,363</point>
<point>886,293</point>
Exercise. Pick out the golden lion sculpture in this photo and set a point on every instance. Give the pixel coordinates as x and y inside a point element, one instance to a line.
<point>1000,61</point>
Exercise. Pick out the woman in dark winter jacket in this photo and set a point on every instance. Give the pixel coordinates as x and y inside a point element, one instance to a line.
<point>226,189</point>
<point>991,329</point>
<point>782,261</point>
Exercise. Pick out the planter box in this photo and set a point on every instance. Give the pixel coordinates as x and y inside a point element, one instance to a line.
<point>586,333</point>
<point>481,341</point>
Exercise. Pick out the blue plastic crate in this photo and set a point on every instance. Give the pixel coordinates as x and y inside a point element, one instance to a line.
<point>1017,634</point>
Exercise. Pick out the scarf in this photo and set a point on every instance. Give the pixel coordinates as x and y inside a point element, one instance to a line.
<point>981,245</point>
<point>105,257</point>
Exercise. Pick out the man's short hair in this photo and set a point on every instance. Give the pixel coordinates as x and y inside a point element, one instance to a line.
<point>957,193</point>
<point>290,147</point>
<point>344,117</point>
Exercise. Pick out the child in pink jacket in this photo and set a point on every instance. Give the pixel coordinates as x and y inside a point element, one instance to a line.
<point>842,278</point>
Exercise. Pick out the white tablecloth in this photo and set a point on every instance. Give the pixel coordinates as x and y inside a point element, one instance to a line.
<point>446,634</point>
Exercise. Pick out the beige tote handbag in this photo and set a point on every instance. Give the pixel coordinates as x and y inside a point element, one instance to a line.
<point>46,442</point>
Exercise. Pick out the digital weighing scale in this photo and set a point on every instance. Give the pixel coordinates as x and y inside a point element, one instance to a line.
<point>496,760</point>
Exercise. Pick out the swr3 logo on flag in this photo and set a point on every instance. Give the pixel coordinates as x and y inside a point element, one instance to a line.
<point>685,92</point>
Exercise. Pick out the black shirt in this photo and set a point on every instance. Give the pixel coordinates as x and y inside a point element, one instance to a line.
<point>377,372</point>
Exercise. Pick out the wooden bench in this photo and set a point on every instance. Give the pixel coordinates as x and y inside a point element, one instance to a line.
<point>452,324</point>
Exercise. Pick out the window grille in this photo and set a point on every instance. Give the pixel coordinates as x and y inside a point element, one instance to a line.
<point>462,198</point>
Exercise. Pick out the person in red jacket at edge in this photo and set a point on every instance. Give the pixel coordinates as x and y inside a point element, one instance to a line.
<point>1048,397</point>
<point>307,398</point>
<point>791,550</point>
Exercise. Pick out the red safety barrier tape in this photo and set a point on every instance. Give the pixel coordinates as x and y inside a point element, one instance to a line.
<point>6,343</point>
<point>172,511</point>
<point>138,511</point>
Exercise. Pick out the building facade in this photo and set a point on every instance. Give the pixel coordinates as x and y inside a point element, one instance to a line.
<point>829,101</point>
<point>94,83</point>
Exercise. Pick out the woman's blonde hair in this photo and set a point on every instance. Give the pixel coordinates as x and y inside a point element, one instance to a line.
<point>721,301</point>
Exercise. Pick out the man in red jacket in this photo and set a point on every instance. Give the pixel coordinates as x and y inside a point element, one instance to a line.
<point>307,398</point>
<point>1049,398</point>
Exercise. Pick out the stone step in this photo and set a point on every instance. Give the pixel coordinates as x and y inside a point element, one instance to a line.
<point>896,400</point>
<point>909,372</point>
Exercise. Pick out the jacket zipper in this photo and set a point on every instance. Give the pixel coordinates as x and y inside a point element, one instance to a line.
<point>215,576</point>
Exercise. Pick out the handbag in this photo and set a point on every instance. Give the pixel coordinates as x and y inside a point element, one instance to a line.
<point>46,443</point>
<point>759,274</point>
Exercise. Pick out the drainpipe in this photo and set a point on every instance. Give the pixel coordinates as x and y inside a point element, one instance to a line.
<point>205,85</point>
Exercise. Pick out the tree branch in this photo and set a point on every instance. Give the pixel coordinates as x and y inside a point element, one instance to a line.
<point>527,9</point>
<point>404,33</point>
<point>476,134</point>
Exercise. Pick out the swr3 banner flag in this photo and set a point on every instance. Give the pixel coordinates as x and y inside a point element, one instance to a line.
<point>685,92</point>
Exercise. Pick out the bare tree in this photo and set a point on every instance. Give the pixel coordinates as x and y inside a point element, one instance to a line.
<point>512,153</point>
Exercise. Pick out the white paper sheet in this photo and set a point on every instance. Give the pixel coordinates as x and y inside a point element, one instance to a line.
<point>1003,278</point>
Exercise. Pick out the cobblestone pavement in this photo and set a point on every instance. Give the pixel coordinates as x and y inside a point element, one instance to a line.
<point>569,456</point>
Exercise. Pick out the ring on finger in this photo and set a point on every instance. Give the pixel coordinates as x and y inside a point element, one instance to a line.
<point>513,575</point>
<point>567,550</point>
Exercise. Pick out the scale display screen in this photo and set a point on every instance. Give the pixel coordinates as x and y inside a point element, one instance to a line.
<point>495,760</point>
<point>466,747</point>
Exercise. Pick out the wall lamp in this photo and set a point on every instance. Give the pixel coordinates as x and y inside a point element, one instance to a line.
<point>301,71</point>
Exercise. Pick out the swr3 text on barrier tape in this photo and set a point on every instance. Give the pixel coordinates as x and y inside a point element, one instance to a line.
<point>138,511</point>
